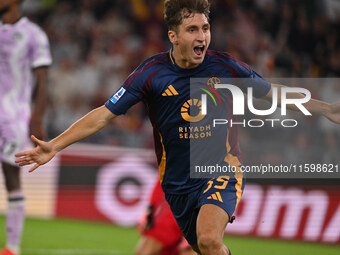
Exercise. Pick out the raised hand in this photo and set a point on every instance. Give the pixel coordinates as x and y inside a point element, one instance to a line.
<point>40,155</point>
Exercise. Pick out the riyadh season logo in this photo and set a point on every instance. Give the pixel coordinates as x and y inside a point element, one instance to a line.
<point>191,110</point>
<point>238,102</point>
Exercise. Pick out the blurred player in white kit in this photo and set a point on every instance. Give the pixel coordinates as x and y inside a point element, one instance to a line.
<point>24,60</point>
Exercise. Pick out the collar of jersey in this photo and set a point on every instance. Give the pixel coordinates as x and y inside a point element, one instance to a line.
<point>186,70</point>
<point>19,21</point>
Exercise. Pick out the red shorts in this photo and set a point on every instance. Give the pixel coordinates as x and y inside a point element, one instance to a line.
<point>164,228</point>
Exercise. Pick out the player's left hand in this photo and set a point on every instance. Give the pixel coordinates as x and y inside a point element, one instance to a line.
<point>334,113</point>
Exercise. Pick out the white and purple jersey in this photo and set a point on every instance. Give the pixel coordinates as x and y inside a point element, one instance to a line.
<point>23,47</point>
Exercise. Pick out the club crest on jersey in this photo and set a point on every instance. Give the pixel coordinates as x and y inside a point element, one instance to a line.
<point>213,81</point>
<point>117,96</point>
<point>17,36</point>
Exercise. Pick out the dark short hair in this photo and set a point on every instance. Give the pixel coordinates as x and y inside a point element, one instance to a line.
<point>176,10</point>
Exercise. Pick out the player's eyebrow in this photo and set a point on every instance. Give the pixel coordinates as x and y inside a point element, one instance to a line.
<point>196,26</point>
<point>191,26</point>
<point>206,25</point>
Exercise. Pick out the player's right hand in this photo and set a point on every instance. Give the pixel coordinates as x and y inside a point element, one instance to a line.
<point>40,155</point>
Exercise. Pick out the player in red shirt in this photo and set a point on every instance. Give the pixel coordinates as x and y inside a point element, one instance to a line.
<point>160,232</point>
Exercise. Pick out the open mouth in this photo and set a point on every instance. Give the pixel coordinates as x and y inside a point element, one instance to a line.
<point>199,50</point>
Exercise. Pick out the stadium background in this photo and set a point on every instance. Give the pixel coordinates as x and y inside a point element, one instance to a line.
<point>107,178</point>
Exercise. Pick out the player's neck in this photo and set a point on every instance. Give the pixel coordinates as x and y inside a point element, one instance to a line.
<point>180,60</point>
<point>12,16</point>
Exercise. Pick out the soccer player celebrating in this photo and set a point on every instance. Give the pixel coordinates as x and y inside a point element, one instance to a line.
<point>201,207</point>
<point>24,55</point>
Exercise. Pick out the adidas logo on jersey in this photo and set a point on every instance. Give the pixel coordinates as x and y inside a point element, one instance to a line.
<point>216,196</point>
<point>170,91</point>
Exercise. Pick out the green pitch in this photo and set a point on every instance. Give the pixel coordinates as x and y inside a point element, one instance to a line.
<point>66,237</point>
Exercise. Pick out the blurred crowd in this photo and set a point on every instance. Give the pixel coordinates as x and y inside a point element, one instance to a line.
<point>97,44</point>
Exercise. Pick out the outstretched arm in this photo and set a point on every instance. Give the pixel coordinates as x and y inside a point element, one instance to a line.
<point>91,123</point>
<point>330,111</point>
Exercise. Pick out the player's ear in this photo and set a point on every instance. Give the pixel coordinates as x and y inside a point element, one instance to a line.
<point>172,37</point>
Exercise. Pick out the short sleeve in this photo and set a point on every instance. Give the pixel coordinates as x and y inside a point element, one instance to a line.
<point>130,93</point>
<point>260,86</point>
<point>121,101</point>
<point>251,79</point>
<point>135,88</point>
<point>40,49</point>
